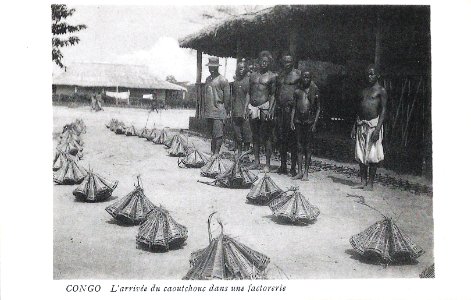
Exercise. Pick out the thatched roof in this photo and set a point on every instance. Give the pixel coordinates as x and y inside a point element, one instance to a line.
<point>335,33</point>
<point>112,75</point>
<point>268,29</point>
<point>198,39</point>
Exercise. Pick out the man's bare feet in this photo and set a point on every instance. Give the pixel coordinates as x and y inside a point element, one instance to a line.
<point>359,186</point>
<point>305,177</point>
<point>282,170</point>
<point>299,176</point>
<point>254,166</point>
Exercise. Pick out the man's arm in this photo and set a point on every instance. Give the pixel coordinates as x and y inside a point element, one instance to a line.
<point>352,133</point>
<point>247,100</point>
<point>250,84</point>
<point>317,102</point>
<point>384,98</point>
<point>226,94</point>
<point>354,128</point>
<point>271,96</point>
<point>293,109</point>
<point>277,89</point>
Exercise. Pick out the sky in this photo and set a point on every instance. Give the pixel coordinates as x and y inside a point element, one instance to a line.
<point>143,35</point>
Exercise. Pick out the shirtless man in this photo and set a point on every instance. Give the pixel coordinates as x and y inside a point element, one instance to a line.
<point>240,102</point>
<point>304,115</point>
<point>261,108</point>
<point>368,129</point>
<point>217,99</point>
<point>286,83</point>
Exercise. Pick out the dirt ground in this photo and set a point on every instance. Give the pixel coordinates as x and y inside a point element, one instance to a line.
<point>89,244</point>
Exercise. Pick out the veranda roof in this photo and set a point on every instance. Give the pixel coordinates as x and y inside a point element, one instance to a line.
<point>335,33</point>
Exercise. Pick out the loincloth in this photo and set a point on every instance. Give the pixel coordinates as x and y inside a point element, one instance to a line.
<point>365,151</point>
<point>255,111</point>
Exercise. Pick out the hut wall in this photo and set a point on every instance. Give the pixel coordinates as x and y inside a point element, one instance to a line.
<point>89,90</point>
<point>65,90</point>
<point>160,95</point>
<point>347,36</point>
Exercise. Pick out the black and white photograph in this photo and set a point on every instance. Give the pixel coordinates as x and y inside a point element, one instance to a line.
<point>238,147</point>
<point>242,142</point>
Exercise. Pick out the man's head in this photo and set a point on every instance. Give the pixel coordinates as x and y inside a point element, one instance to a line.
<point>213,65</point>
<point>288,62</point>
<point>306,79</point>
<point>213,70</point>
<point>251,66</point>
<point>241,68</point>
<point>372,73</point>
<point>265,59</point>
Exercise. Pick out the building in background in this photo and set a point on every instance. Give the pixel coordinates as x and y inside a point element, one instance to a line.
<point>336,43</point>
<point>87,78</point>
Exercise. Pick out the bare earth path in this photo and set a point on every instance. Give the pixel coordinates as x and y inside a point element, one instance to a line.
<point>88,244</point>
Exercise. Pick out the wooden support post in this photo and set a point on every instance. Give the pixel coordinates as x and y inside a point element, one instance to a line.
<point>225,67</point>
<point>238,50</point>
<point>276,53</point>
<point>378,37</point>
<point>293,44</point>
<point>199,98</point>
<point>199,65</point>
<point>427,131</point>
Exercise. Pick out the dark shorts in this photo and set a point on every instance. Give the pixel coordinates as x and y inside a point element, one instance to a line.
<point>262,130</point>
<point>303,135</point>
<point>285,135</point>
<point>216,128</point>
<point>242,131</point>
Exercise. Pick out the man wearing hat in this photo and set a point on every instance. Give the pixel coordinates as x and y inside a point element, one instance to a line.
<point>217,99</point>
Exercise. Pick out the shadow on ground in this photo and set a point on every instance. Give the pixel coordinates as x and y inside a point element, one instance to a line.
<point>159,249</point>
<point>123,224</point>
<point>79,200</point>
<point>282,221</point>
<point>342,181</point>
<point>372,260</point>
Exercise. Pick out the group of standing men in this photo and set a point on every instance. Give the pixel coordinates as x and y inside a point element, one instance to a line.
<point>265,106</point>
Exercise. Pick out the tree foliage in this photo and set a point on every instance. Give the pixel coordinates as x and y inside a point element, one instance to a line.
<point>171,79</point>
<point>61,30</point>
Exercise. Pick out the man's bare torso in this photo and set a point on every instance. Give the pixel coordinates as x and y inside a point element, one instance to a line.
<point>370,105</point>
<point>261,87</point>
<point>286,86</point>
<point>305,103</point>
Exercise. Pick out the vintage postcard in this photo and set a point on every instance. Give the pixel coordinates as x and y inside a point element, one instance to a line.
<point>267,146</point>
